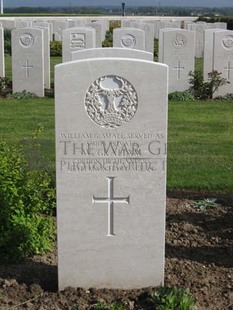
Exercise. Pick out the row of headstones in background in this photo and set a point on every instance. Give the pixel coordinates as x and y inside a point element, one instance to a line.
<point>30,60</point>
<point>56,27</point>
<point>148,28</point>
<point>111,128</point>
<point>157,25</point>
<point>83,38</point>
<point>177,50</point>
<point>218,55</point>
<point>199,29</point>
<point>2,60</point>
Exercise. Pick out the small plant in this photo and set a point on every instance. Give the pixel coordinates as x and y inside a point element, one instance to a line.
<point>27,201</point>
<point>172,298</point>
<point>5,86</point>
<point>227,97</point>
<point>7,41</point>
<point>180,96</point>
<point>55,48</point>
<point>22,95</point>
<point>156,48</point>
<point>204,204</point>
<point>204,90</point>
<point>112,306</point>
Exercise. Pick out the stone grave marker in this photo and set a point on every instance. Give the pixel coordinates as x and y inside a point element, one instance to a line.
<point>48,25</point>
<point>58,27</point>
<point>223,59</point>
<point>129,38</point>
<point>111,127</point>
<point>46,36</point>
<point>98,29</point>
<point>199,29</point>
<point>28,60</point>
<point>177,50</point>
<point>2,58</point>
<point>149,35</point>
<point>111,52</point>
<point>75,39</point>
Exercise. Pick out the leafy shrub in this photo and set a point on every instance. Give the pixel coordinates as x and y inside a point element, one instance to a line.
<point>112,306</point>
<point>205,204</point>
<point>26,204</point>
<point>180,96</point>
<point>156,48</point>
<point>22,95</point>
<point>5,86</point>
<point>227,97</point>
<point>55,48</point>
<point>7,41</point>
<point>108,39</point>
<point>172,298</point>
<point>204,90</point>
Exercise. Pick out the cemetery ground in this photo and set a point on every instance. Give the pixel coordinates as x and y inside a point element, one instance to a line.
<point>199,243</point>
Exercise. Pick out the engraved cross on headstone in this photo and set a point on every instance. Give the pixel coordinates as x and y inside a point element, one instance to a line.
<point>178,69</point>
<point>228,68</point>
<point>27,67</point>
<point>110,200</point>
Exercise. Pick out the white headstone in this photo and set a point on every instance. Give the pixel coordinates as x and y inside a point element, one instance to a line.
<point>58,27</point>
<point>111,178</point>
<point>220,25</point>
<point>199,38</point>
<point>2,58</point>
<point>177,50</point>
<point>111,52</point>
<point>75,39</point>
<point>8,24</point>
<point>28,60</point>
<point>48,25</point>
<point>149,35</point>
<point>22,23</point>
<point>222,58</point>
<point>98,29</point>
<point>129,38</point>
<point>46,37</point>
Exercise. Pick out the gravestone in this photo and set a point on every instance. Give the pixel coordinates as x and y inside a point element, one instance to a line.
<point>129,38</point>
<point>74,39</point>
<point>47,25</point>
<point>2,59</point>
<point>223,58</point>
<point>219,25</point>
<point>28,60</point>
<point>199,29</point>
<point>98,30</point>
<point>111,52</point>
<point>177,50</point>
<point>149,35</point>
<point>46,36</point>
<point>208,52</point>
<point>58,28</point>
<point>111,172</point>
<point>22,23</point>
<point>8,24</point>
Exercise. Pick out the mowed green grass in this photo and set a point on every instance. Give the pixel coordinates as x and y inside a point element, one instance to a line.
<point>199,139</point>
<point>200,145</point>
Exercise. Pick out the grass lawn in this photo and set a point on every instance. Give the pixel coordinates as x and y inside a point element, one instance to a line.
<point>200,145</point>
<point>199,139</point>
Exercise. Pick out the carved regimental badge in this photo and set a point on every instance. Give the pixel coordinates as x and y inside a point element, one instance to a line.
<point>179,41</point>
<point>111,101</point>
<point>228,42</point>
<point>26,40</point>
